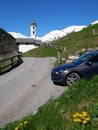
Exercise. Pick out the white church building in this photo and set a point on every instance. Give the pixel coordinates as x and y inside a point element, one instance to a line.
<point>28,43</point>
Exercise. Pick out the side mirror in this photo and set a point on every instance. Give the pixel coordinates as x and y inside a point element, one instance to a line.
<point>89,63</point>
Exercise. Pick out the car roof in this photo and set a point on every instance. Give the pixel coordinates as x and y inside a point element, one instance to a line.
<point>93,52</point>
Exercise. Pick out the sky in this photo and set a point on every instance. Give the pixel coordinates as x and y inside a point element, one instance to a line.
<point>17,15</point>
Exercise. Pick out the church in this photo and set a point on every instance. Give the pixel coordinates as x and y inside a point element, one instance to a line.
<point>31,42</point>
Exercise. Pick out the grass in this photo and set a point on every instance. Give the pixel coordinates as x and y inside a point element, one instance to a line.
<point>80,100</point>
<point>41,51</point>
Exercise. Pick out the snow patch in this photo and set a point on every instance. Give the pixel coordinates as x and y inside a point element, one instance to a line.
<point>25,48</point>
<point>17,35</point>
<point>56,34</point>
<point>95,22</point>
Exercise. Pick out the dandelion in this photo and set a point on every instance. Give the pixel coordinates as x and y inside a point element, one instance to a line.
<point>77,114</point>
<point>80,115</point>
<point>84,121</point>
<point>88,119</point>
<point>74,115</point>
<point>75,120</point>
<point>16,128</point>
<point>25,122</point>
<point>81,120</point>
<point>84,114</point>
<point>21,124</point>
<point>78,120</point>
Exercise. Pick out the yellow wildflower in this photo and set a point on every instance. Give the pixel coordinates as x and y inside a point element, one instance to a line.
<point>75,120</point>
<point>16,128</point>
<point>88,119</point>
<point>84,113</point>
<point>77,114</point>
<point>25,122</point>
<point>80,115</point>
<point>84,121</point>
<point>78,120</point>
<point>74,115</point>
<point>21,124</point>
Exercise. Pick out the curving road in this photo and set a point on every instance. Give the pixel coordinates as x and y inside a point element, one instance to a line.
<point>25,88</point>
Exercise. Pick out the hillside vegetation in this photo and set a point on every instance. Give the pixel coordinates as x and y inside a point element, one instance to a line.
<point>75,109</point>
<point>73,42</point>
<point>7,42</point>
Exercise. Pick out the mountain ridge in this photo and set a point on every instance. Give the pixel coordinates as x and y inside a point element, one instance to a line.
<point>51,36</point>
<point>55,34</point>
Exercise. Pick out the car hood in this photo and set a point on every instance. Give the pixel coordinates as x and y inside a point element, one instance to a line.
<point>64,67</point>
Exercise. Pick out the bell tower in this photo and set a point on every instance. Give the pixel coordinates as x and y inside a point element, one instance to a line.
<point>33,30</point>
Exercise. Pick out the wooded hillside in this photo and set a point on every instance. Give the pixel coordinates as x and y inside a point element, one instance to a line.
<point>7,43</point>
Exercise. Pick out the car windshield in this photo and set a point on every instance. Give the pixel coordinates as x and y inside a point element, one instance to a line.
<point>83,58</point>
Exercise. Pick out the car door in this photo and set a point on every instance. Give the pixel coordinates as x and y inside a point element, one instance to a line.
<point>89,68</point>
<point>94,65</point>
<point>86,70</point>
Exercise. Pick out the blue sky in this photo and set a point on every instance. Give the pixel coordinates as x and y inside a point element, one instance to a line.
<point>17,15</point>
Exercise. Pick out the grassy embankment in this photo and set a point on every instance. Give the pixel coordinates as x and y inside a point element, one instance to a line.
<point>75,109</point>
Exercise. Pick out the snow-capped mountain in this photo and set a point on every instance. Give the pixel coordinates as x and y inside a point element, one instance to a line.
<point>95,22</point>
<point>51,36</point>
<point>17,35</point>
<point>56,34</point>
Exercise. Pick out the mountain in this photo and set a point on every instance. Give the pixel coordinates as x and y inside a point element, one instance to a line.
<point>17,35</point>
<point>51,36</point>
<point>56,34</point>
<point>95,22</point>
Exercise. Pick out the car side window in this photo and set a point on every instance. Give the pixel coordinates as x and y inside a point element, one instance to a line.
<point>94,59</point>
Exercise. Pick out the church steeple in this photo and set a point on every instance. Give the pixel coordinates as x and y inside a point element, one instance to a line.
<point>33,30</point>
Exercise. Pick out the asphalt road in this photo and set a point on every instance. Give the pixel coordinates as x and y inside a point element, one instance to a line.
<point>25,88</point>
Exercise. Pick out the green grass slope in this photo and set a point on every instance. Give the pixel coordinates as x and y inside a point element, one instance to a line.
<point>75,109</point>
<point>73,42</point>
<point>41,51</point>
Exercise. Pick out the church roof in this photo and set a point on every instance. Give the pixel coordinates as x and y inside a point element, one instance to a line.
<point>33,23</point>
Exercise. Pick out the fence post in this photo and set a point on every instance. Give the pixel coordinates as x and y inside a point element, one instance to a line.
<point>11,60</point>
<point>19,59</point>
<point>59,57</point>
<point>0,71</point>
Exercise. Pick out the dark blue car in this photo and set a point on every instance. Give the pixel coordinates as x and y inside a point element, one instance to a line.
<point>84,67</point>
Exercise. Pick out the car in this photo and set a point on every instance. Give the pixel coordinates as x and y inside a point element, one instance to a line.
<point>85,67</point>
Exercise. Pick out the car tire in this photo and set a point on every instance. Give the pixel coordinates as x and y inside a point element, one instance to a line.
<point>72,78</point>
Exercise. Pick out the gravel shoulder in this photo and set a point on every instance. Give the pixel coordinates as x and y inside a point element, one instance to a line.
<point>25,88</point>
